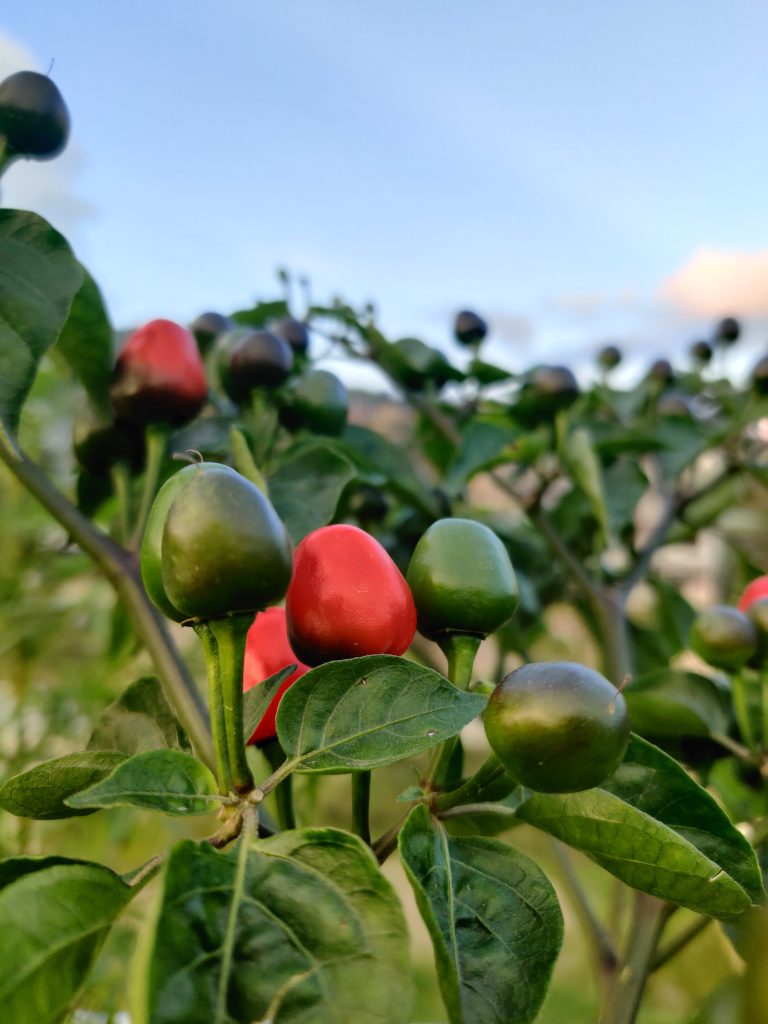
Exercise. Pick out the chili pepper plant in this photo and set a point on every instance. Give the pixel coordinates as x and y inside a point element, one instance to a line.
<point>340,587</point>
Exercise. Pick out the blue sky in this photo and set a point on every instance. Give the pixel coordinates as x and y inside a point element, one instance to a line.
<point>578,172</point>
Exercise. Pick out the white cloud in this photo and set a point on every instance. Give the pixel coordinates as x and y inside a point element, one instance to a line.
<point>720,282</point>
<point>46,187</point>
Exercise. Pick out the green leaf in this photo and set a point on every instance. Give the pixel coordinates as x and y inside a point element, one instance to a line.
<point>85,341</point>
<point>494,919</point>
<point>584,467</point>
<point>259,697</point>
<point>40,278</point>
<point>483,445</point>
<point>624,484</point>
<point>139,720</point>
<point>260,314</point>
<point>53,923</point>
<point>159,780</point>
<point>672,703</point>
<point>683,441</point>
<point>366,712</point>
<point>42,791</point>
<point>392,462</point>
<point>317,936</point>
<point>306,488</point>
<point>654,828</point>
<point>13,868</point>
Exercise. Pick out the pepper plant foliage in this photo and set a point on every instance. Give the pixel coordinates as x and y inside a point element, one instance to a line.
<point>273,920</point>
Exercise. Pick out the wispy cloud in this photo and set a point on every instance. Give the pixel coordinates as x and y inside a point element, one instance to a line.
<point>720,282</point>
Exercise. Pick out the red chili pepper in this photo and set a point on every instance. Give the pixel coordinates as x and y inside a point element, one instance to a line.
<point>267,651</point>
<point>757,590</point>
<point>347,598</point>
<point>159,376</point>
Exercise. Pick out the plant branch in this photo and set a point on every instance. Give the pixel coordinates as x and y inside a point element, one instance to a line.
<point>361,805</point>
<point>648,921</point>
<point>605,955</point>
<point>676,945</point>
<point>121,570</point>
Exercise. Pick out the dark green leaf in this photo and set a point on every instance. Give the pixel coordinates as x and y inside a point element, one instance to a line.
<point>654,828</point>
<point>317,936</point>
<point>40,278</point>
<point>306,488</point>
<point>260,314</point>
<point>584,467</point>
<point>494,920</point>
<point>624,484</point>
<point>52,924</point>
<point>13,868</point>
<point>139,720</point>
<point>86,341</point>
<point>667,702</point>
<point>683,441</point>
<point>258,698</point>
<point>741,788</point>
<point>42,791</point>
<point>487,373</point>
<point>483,445</point>
<point>159,780</point>
<point>392,462</point>
<point>366,712</point>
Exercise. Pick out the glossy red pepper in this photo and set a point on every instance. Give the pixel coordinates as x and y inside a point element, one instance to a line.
<point>757,590</point>
<point>267,651</point>
<point>159,376</point>
<point>347,598</point>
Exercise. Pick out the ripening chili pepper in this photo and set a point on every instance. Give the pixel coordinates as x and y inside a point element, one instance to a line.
<point>159,376</point>
<point>757,590</point>
<point>213,546</point>
<point>34,120</point>
<point>462,580</point>
<point>347,598</point>
<point>267,651</point>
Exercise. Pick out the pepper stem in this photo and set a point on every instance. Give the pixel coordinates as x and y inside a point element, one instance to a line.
<point>215,706</point>
<point>284,790</point>
<point>460,649</point>
<point>156,437</point>
<point>361,805</point>
<point>230,634</point>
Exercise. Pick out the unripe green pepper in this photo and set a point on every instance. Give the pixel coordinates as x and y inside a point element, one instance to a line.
<point>724,637</point>
<point>317,401</point>
<point>214,546</point>
<point>462,580</point>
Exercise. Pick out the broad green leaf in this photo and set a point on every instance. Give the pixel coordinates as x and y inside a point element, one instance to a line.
<point>392,462</point>
<point>740,787</point>
<point>53,923</point>
<point>683,441</point>
<point>584,467</point>
<point>13,868</point>
<point>258,698</point>
<point>487,373</point>
<point>260,314</point>
<point>86,342</point>
<point>624,484</point>
<point>317,937</point>
<point>654,828</point>
<point>673,703</point>
<point>39,280</point>
<point>494,919</point>
<point>305,489</point>
<point>366,712</point>
<point>42,791</point>
<point>159,780</point>
<point>483,445</point>
<point>140,719</point>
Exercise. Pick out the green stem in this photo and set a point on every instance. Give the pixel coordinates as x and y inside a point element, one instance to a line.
<point>361,805</point>
<point>228,946</point>
<point>741,709</point>
<point>215,706</point>
<point>649,918</point>
<point>676,945</point>
<point>156,438</point>
<point>121,570</point>
<point>604,951</point>
<point>764,698</point>
<point>275,755</point>
<point>460,650</point>
<point>473,788</point>
<point>7,156</point>
<point>230,634</point>
<point>121,484</point>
